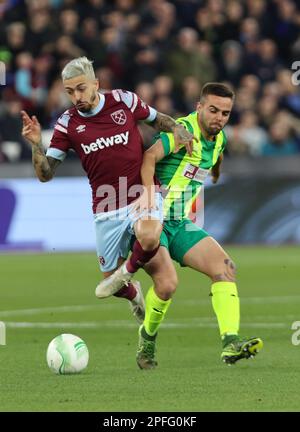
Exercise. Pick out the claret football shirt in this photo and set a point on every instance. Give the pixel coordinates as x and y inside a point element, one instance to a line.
<point>109,145</point>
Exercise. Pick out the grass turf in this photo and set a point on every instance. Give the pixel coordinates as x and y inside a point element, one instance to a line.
<point>37,290</point>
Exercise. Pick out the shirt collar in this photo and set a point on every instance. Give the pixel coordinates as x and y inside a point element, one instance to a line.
<point>95,110</point>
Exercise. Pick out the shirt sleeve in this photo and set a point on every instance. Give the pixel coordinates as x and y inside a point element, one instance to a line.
<point>60,143</point>
<point>139,109</point>
<point>224,144</point>
<point>168,142</point>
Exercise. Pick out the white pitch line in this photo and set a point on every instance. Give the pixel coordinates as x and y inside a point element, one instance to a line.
<point>105,305</point>
<point>247,300</point>
<point>272,299</point>
<point>78,308</point>
<point>129,324</point>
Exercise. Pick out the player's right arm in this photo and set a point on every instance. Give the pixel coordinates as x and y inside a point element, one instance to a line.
<point>44,166</point>
<point>216,168</point>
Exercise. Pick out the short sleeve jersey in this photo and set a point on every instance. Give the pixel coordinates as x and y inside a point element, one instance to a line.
<point>108,144</point>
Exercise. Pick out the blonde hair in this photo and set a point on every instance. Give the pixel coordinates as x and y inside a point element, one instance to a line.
<point>78,66</point>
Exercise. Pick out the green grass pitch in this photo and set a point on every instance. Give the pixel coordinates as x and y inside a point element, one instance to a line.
<point>48,294</point>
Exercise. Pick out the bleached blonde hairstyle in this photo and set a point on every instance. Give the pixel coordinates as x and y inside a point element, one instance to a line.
<point>78,66</point>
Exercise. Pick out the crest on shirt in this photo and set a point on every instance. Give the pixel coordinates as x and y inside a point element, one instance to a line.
<point>119,117</point>
<point>81,128</point>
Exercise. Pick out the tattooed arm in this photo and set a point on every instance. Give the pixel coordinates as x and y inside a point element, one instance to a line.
<point>44,166</point>
<point>165,123</point>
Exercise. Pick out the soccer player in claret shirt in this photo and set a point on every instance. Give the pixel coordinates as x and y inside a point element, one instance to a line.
<point>103,130</point>
<point>183,175</point>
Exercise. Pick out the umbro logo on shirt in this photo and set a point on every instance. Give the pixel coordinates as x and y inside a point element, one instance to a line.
<point>102,143</point>
<point>81,128</point>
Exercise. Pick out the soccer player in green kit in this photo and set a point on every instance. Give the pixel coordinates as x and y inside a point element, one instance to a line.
<point>183,175</point>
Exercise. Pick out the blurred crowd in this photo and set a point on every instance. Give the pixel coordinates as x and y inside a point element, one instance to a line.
<point>164,51</point>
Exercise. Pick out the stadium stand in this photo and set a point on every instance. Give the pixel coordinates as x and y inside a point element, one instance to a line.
<point>163,50</point>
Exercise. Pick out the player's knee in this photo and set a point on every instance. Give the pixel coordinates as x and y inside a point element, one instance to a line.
<point>149,241</point>
<point>225,271</point>
<point>166,287</point>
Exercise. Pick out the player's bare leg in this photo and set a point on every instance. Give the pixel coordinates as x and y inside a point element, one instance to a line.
<point>158,299</point>
<point>208,257</point>
<point>131,291</point>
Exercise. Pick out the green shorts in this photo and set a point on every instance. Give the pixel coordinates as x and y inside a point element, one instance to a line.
<point>179,236</point>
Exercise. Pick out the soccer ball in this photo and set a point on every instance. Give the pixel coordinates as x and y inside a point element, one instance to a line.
<point>67,354</point>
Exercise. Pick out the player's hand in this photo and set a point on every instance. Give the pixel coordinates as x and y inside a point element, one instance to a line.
<point>31,129</point>
<point>183,137</point>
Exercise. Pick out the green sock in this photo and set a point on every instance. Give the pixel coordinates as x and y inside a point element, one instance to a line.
<point>226,305</point>
<point>156,309</point>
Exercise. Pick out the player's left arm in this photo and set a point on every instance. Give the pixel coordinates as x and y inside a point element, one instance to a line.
<point>215,170</point>
<point>182,137</point>
<point>153,155</point>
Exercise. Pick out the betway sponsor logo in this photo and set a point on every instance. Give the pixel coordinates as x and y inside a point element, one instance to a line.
<point>102,143</point>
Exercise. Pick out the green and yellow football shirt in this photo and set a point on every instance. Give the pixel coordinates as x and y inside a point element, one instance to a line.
<point>183,175</point>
